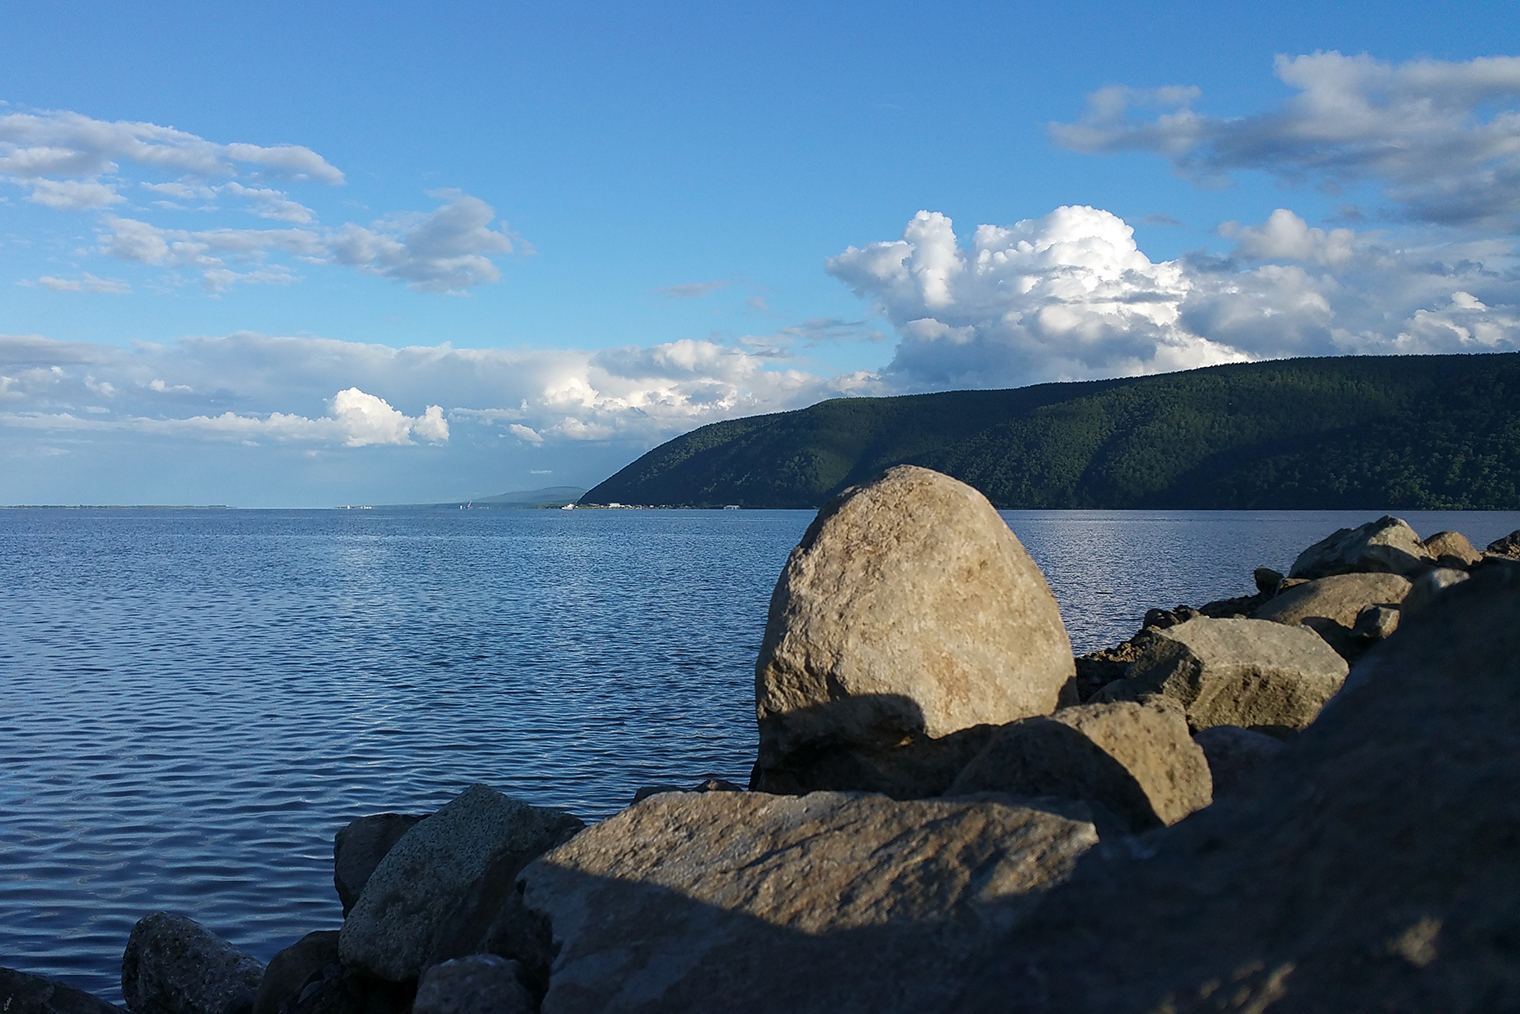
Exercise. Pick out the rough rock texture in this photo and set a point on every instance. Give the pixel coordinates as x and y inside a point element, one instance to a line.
<point>436,893</point>
<point>1387,545</point>
<point>747,902</point>
<point>359,847</point>
<point>1375,623</point>
<point>1252,673</point>
<point>908,610</point>
<point>174,965</point>
<point>1338,599</point>
<point>1452,549</point>
<point>1136,759</point>
<point>1234,754</point>
<point>343,989</point>
<point>1430,585</point>
<point>476,984</point>
<point>21,993</point>
<point>1509,546</point>
<point>1378,869</point>
<point>293,969</point>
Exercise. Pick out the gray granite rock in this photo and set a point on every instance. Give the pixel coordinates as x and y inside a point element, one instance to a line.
<point>1234,754</point>
<point>174,965</point>
<point>1387,545</point>
<point>294,968</point>
<point>437,892</point>
<point>1430,585</point>
<point>475,984</point>
<point>359,846</point>
<point>908,611</point>
<point>748,902</point>
<point>1136,759</point>
<point>23,993</point>
<point>1252,673</point>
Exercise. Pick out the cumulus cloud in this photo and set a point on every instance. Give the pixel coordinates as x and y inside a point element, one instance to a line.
<point>1070,296</point>
<point>1442,138</point>
<point>445,251</point>
<point>84,283</point>
<point>73,195</point>
<point>61,143</point>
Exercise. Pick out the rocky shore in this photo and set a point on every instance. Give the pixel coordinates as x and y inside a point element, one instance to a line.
<point>1302,799</point>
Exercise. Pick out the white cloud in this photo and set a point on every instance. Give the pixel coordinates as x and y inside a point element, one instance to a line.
<point>444,251</point>
<point>84,283</point>
<point>1442,138</point>
<point>527,433</point>
<point>1070,296</point>
<point>60,143</point>
<point>692,290</point>
<point>74,195</point>
<point>269,203</point>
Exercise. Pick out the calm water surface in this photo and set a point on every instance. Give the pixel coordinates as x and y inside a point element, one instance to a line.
<point>195,701</point>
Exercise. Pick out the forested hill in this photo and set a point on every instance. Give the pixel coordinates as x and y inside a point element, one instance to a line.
<point>1367,432</point>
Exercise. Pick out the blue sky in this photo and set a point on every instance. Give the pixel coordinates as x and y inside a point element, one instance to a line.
<point>278,256</point>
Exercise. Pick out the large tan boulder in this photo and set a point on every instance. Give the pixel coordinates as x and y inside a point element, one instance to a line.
<point>1387,545</point>
<point>1252,673</point>
<point>1374,866</point>
<point>908,610</point>
<point>749,902</point>
<point>1135,759</point>
<point>1452,549</point>
<point>1338,599</point>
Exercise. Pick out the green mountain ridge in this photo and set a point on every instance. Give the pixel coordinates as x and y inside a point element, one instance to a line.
<point>1353,433</point>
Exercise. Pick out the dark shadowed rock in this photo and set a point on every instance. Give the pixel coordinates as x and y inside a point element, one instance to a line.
<point>908,611</point>
<point>1378,869</point>
<point>916,768</point>
<point>747,902</point>
<point>1387,545</point>
<point>475,984</point>
<point>1234,754</point>
<point>21,993</point>
<point>1252,673</point>
<point>359,847</point>
<point>1452,549</point>
<point>343,989</point>
<point>174,965</point>
<point>1508,547</point>
<point>291,970</point>
<point>1430,585</point>
<point>1267,579</point>
<point>1135,759</point>
<point>437,892</point>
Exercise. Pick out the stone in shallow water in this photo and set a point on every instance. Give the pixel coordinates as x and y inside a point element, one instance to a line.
<point>22,993</point>
<point>359,847</point>
<point>174,965</point>
<point>830,902</point>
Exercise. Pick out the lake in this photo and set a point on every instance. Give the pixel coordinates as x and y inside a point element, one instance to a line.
<point>195,701</point>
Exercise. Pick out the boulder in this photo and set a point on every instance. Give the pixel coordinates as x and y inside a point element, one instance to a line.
<point>1375,623</point>
<point>344,989</point>
<point>1234,754</point>
<point>291,970</point>
<point>437,892</point>
<point>359,847</point>
<point>1135,759</point>
<point>1330,606</point>
<point>1378,869</point>
<point>1387,545</point>
<point>1267,580</point>
<point>22,993</point>
<point>1452,549</point>
<point>1428,586</point>
<point>475,984</point>
<point>1252,673</point>
<point>830,902</point>
<point>908,611</point>
<point>1508,547</point>
<point>174,965</point>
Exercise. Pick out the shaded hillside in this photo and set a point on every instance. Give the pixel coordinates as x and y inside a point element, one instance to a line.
<point>1409,432</point>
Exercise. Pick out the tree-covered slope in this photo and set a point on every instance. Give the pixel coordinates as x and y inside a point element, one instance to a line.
<point>1410,432</point>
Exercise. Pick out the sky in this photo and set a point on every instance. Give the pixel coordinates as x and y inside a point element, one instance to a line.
<point>297,255</point>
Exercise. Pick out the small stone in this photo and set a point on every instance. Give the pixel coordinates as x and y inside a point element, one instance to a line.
<point>1234,754</point>
<point>1508,547</point>
<point>1136,759</point>
<point>475,984</point>
<point>23,993</point>
<point>1252,673</point>
<point>1376,622</point>
<point>359,847</point>
<point>1387,545</point>
<point>174,965</point>
<point>1267,579</point>
<point>709,784</point>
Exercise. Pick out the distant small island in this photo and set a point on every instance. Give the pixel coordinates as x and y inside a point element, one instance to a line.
<point>1351,433</point>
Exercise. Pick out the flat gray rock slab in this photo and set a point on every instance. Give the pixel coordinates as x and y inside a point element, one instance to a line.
<point>438,889</point>
<point>23,993</point>
<point>1252,673</point>
<point>1136,759</point>
<point>174,965</point>
<point>830,902</point>
<point>908,608</point>
<point>1376,869</point>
